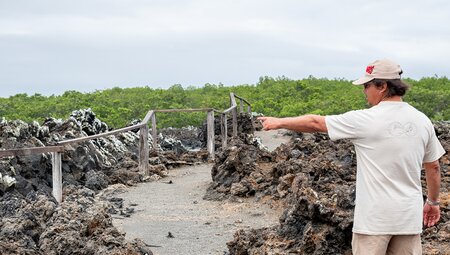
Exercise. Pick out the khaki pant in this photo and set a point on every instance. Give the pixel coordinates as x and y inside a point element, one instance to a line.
<point>386,244</point>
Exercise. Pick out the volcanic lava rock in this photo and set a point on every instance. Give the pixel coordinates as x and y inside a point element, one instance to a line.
<point>88,122</point>
<point>30,220</point>
<point>186,138</point>
<point>79,225</point>
<point>435,240</point>
<point>96,180</point>
<point>93,163</point>
<point>317,186</point>
<point>240,169</point>
<point>315,180</point>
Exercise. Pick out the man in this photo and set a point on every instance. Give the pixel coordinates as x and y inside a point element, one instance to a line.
<point>392,141</point>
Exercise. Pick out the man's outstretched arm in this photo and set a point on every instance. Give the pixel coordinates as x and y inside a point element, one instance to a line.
<point>307,123</point>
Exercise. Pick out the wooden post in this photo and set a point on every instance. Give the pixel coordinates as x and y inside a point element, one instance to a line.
<point>234,113</point>
<point>210,131</point>
<point>241,105</point>
<point>223,128</point>
<point>143,150</point>
<point>154,134</point>
<point>57,176</point>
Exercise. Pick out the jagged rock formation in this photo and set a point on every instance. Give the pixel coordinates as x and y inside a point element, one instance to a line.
<point>181,139</point>
<point>240,170</point>
<point>31,222</point>
<point>79,225</point>
<point>314,178</point>
<point>318,214</point>
<point>94,163</point>
<point>435,240</point>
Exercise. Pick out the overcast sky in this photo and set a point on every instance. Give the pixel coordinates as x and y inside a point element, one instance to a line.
<point>51,46</point>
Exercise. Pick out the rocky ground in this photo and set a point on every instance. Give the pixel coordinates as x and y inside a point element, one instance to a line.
<point>31,222</point>
<point>311,177</point>
<point>315,180</point>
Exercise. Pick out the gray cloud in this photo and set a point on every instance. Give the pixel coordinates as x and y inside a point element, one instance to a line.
<point>49,47</point>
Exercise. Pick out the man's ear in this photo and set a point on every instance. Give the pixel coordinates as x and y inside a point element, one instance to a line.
<point>383,88</point>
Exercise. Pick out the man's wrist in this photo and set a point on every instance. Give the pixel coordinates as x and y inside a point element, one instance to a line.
<point>432,202</point>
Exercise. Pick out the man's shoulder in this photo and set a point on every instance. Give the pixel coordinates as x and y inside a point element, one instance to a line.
<point>418,114</point>
<point>359,113</point>
<point>354,116</point>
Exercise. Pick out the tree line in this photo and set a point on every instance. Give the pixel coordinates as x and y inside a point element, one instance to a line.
<point>278,96</point>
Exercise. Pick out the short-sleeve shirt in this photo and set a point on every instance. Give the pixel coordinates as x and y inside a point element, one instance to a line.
<point>392,140</point>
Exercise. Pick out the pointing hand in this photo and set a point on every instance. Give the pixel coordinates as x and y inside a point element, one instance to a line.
<point>270,123</point>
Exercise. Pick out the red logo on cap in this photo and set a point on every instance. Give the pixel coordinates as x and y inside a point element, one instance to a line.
<point>369,69</point>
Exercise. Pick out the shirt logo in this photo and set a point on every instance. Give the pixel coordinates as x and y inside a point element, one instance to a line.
<point>398,129</point>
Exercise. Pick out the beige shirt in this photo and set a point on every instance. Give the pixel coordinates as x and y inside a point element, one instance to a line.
<point>392,140</point>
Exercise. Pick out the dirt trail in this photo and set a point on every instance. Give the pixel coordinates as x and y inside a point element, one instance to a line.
<point>174,204</point>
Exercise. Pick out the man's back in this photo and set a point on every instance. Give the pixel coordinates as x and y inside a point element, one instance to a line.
<point>390,142</point>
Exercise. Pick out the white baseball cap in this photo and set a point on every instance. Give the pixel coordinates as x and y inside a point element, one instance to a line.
<point>380,69</point>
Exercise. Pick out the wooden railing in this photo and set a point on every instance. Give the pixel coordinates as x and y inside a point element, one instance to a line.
<point>234,111</point>
<point>56,151</point>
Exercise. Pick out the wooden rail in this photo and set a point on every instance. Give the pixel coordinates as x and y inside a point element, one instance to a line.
<point>233,109</point>
<point>91,137</point>
<point>56,151</point>
<point>30,151</point>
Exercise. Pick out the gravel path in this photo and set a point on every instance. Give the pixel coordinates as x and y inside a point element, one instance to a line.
<point>174,204</point>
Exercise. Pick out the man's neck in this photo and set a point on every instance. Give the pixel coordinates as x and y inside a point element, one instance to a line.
<point>394,99</point>
<point>389,99</point>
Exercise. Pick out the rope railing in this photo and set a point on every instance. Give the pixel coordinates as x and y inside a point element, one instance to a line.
<point>56,151</point>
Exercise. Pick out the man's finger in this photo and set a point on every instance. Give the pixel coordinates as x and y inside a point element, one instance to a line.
<point>435,220</point>
<point>432,222</point>
<point>425,219</point>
